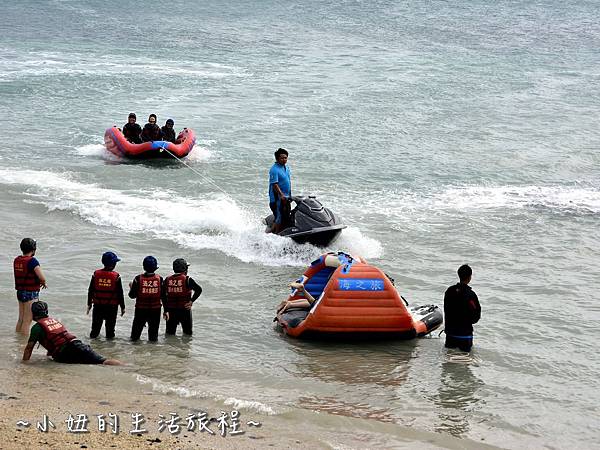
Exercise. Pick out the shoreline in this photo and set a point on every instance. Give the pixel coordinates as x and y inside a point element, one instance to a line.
<point>29,394</point>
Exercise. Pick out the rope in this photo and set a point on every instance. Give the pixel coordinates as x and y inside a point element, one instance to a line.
<point>204,177</point>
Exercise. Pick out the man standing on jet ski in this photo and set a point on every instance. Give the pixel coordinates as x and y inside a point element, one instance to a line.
<point>280,190</point>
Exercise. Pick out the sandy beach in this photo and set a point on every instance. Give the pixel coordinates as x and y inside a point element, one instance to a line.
<point>28,394</point>
<point>27,397</point>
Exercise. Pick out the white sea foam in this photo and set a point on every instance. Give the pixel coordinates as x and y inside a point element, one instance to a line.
<point>213,221</point>
<point>353,241</point>
<point>45,64</point>
<point>518,197</point>
<point>559,199</point>
<point>165,388</point>
<point>249,405</point>
<point>200,153</point>
<point>91,150</point>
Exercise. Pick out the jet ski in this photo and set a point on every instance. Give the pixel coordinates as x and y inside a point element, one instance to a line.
<point>310,222</point>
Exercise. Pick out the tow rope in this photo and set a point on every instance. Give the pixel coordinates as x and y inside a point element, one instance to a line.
<point>204,177</point>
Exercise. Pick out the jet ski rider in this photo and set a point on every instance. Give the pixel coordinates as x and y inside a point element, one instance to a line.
<point>280,190</point>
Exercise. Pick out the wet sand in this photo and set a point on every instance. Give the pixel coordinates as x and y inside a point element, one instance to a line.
<point>29,391</point>
<point>31,397</point>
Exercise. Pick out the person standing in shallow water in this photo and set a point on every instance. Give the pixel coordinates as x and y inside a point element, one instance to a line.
<point>29,278</point>
<point>280,190</point>
<point>461,311</point>
<point>181,291</point>
<point>147,289</point>
<point>105,294</point>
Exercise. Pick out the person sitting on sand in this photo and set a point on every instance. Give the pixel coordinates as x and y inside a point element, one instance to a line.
<point>300,303</point>
<point>61,345</point>
<point>151,131</point>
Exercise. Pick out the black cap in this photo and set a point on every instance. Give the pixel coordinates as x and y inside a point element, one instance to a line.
<point>170,121</point>
<point>39,310</point>
<point>180,265</point>
<point>132,115</point>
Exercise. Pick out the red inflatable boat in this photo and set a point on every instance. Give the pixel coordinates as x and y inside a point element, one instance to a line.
<point>116,143</point>
<point>349,297</point>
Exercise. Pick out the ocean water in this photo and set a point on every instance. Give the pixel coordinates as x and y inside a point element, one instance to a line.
<point>441,132</point>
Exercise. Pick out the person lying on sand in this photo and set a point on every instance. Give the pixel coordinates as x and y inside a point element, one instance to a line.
<point>60,344</point>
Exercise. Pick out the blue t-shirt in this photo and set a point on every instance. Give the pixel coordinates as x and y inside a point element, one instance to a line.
<point>33,263</point>
<point>282,176</point>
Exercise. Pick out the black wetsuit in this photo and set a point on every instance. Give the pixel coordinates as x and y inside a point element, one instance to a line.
<point>132,132</point>
<point>151,132</point>
<point>181,315</point>
<point>143,316</point>
<point>105,313</point>
<point>461,311</point>
<point>168,134</point>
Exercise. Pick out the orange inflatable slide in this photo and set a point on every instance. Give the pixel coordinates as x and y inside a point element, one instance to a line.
<point>342,296</point>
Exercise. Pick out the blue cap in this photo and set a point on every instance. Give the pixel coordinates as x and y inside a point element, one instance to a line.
<point>109,258</point>
<point>150,264</point>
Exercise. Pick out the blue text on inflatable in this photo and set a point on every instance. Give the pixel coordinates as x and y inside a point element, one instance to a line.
<point>361,284</point>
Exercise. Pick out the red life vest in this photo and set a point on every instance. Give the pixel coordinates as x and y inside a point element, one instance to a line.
<point>149,290</point>
<point>25,279</point>
<point>105,287</point>
<point>56,335</point>
<point>178,292</point>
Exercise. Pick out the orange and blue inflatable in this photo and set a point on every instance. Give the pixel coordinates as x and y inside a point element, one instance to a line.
<point>354,298</point>
<point>115,142</point>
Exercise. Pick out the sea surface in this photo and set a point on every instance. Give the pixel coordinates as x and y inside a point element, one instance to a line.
<point>442,132</point>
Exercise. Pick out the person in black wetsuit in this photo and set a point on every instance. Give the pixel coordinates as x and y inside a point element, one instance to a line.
<point>181,291</point>
<point>61,345</point>
<point>147,289</point>
<point>151,131</point>
<point>168,133</point>
<point>461,311</point>
<point>105,295</point>
<point>132,130</point>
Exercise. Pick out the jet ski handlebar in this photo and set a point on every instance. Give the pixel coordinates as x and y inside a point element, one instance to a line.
<point>300,198</point>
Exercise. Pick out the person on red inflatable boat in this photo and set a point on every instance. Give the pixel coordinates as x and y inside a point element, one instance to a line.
<point>151,131</point>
